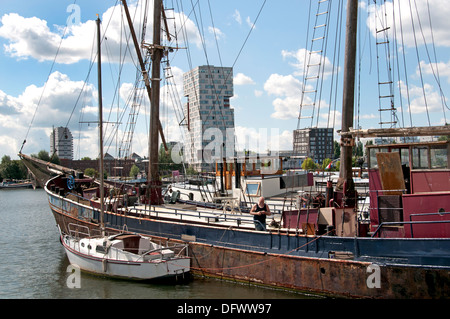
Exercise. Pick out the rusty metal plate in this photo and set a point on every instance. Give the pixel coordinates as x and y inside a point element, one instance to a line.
<point>391,174</point>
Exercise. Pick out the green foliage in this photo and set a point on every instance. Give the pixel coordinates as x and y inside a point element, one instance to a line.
<point>134,171</point>
<point>12,169</point>
<point>325,163</point>
<point>166,162</point>
<point>191,171</point>
<point>337,149</point>
<point>308,164</point>
<point>91,172</point>
<point>43,155</point>
<point>358,150</point>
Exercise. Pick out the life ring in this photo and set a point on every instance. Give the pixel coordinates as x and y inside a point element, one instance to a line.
<point>70,182</point>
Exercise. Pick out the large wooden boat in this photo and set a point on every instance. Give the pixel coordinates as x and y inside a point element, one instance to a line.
<point>402,250</point>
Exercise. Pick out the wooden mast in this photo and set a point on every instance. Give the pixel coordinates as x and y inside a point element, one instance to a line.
<point>100,127</point>
<point>154,183</point>
<point>142,65</point>
<point>156,55</point>
<point>345,169</point>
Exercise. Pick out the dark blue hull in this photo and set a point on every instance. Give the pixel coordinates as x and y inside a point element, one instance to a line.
<point>352,267</point>
<point>408,251</point>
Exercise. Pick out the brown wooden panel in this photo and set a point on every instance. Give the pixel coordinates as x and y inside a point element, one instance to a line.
<point>390,170</point>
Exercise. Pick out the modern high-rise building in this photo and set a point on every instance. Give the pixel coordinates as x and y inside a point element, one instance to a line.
<point>61,139</point>
<point>209,119</point>
<point>316,143</point>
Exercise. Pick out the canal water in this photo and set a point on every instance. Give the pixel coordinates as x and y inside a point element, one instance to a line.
<point>33,264</point>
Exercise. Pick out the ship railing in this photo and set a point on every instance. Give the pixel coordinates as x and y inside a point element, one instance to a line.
<point>411,223</point>
<point>178,247</point>
<point>78,231</point>
<point>244,220</point>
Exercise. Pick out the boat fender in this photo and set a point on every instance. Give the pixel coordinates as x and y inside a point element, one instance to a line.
<point>104,264</point>
<point>70,182</point>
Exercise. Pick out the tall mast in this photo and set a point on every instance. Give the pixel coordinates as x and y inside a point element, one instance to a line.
<point>142,65</point>
<point>154,184</point>
<point>100,126</point>
<point>155,80</point>
<point>345,169</point>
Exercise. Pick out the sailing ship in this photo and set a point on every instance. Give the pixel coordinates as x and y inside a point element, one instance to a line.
<point>123,255</point>
<point>402,251</point>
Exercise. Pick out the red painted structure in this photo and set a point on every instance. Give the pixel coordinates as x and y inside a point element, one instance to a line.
<point>422,208</point>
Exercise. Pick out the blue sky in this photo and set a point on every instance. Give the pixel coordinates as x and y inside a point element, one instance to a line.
<point>268,69</point>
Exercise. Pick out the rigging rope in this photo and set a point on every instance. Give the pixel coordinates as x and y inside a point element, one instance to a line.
<point>45,84</point>
<point>418,61</point>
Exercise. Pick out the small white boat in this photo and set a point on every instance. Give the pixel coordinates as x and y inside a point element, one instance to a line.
<point>126,256</point>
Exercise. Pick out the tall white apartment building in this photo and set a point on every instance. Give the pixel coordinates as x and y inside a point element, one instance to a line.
<point>209,119</point>
<point>61,139</point>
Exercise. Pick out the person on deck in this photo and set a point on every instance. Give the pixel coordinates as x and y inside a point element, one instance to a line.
<point>259,212</point>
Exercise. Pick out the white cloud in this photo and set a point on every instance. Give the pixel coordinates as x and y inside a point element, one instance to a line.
<point>439,12</point>
<point>288,90</point>
<point>56,104</point>
<point>258,93</point>
<point>242,79</point>
<point>250,23</point>
<point>262,139</point>
<point>286,108</point>
<point>33,38</point>
<point>442,69</point>
<point>283,85</point>
<point>237,16</point>
<point>298,63</point>
<point>420,105</point>
<point>216,32</point>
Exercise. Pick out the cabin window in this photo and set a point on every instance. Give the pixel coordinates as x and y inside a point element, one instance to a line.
<point>253,189</point>
<point>420,157</point>
<point>438,156</point>
<point>373,156</point>
<point>404,155</point>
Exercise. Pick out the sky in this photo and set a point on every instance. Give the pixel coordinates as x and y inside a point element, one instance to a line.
<point>48,78</point>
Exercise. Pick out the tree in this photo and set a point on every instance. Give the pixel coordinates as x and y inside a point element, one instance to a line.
<point>134,171</point>
<point>337,149</point>
<point>166,162</point>
<point>43,155</point>
<point>12,169</point>
<point>369,142</point>
<point>325,163</point>
<point>358,149</point>
<point>308,164</point>
<point>91,172</point>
